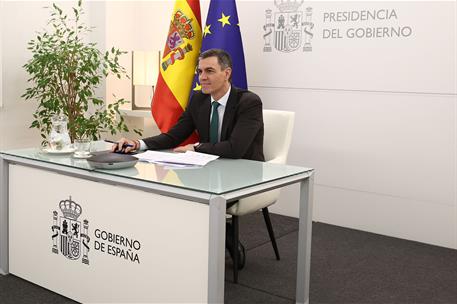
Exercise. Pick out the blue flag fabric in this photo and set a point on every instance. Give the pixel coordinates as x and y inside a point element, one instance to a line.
<point>222,31</point>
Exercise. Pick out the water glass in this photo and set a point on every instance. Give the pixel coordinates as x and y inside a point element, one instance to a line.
<point>82,148</point>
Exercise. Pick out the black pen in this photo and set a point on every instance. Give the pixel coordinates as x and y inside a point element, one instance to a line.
<point>115,142</point>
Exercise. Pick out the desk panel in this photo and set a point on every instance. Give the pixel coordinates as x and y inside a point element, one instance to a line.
<point>141,247</point>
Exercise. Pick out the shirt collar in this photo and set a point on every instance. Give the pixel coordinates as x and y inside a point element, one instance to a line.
<point>223,100</point>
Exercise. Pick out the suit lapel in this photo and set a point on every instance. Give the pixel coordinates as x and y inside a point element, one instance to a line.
<point>229,112</point>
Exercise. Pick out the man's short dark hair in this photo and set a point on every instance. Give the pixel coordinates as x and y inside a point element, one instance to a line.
<point>223,58</point>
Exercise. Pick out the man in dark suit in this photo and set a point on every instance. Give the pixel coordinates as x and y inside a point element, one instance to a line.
<point>228,120</point>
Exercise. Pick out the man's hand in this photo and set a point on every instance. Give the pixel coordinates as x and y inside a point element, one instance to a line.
<point>124,145</point>
<point>189,147</point>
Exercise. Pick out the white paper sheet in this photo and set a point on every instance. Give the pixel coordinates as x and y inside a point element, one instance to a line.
<point>167,158</point>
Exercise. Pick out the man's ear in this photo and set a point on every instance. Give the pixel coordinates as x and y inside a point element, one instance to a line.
<point>228,73</point>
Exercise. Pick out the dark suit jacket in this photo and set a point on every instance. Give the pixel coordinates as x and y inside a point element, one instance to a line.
<point>242,127</point>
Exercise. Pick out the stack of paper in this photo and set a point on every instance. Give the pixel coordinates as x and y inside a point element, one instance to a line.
<point>178,160</point>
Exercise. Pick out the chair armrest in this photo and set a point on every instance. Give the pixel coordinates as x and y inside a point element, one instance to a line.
<point>277,160</point>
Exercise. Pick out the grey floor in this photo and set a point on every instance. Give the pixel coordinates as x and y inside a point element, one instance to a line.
<point>347,266</point>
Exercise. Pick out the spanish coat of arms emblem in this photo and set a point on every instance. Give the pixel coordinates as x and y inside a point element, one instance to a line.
<point>180,30</point>
<point>289,28</point>
<point>68,235</point>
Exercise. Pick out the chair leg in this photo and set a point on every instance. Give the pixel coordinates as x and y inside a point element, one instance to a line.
<point>266,216</point>
<point>235,237</point>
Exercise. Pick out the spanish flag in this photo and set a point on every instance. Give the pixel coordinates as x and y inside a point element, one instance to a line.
<point>177,66</point>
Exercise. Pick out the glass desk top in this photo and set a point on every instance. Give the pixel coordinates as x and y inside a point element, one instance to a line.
<point>218,177</point>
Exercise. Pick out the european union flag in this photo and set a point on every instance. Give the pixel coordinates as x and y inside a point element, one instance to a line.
<point>222,31</point>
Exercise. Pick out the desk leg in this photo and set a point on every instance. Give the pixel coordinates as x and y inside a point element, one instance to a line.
<point>216,255</point>
<point>304,240</point>
<point>4,269</point>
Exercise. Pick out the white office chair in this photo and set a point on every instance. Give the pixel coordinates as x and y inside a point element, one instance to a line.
<point>278,126</point>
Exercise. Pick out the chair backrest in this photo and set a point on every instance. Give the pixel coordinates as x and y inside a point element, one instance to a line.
<point>278,127</point>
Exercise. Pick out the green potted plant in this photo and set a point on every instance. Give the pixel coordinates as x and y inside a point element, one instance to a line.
<point>65,70</point>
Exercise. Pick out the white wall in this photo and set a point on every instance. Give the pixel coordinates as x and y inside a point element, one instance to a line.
<point>1,77</point>
<point>15,116</point>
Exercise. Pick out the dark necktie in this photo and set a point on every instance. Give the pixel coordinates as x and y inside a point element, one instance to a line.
<point>214,125</point>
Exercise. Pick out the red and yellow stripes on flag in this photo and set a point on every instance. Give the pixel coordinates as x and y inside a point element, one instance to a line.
<point>177,66</point>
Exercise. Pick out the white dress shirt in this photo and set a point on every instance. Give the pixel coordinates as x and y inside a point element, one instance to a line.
<point>220,111</point>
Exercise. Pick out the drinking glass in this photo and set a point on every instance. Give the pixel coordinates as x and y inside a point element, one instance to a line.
<point>82,148</point>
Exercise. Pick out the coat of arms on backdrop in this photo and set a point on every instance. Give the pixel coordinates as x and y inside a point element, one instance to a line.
<point>68,235</point>
<point>288,29</point>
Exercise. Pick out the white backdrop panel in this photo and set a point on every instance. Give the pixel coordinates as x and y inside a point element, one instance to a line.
<point>419,221</point>
<point>378,213</point>
<point>422,61</point>
<point>402,145</point>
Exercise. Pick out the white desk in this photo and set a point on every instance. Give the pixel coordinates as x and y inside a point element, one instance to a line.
<point>142,234</point>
